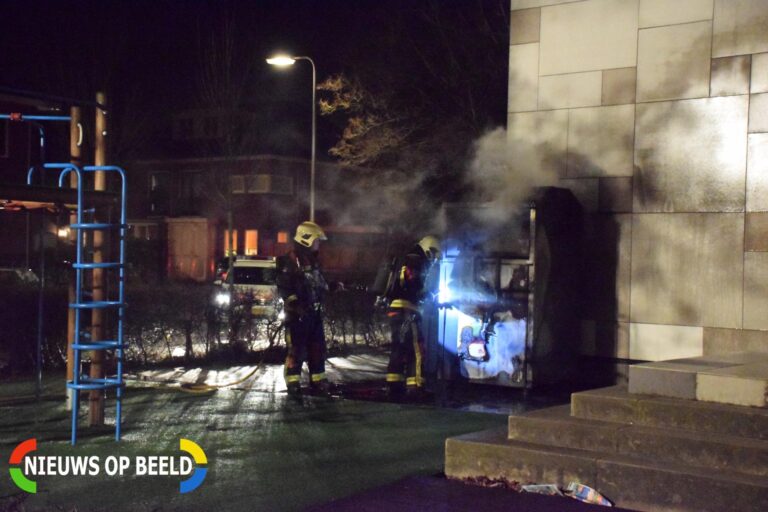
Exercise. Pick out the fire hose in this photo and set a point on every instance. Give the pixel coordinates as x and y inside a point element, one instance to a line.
<point>202,388</point>
<point>210,388</point>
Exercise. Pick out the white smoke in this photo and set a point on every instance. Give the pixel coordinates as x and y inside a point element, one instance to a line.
<point>505,172</point>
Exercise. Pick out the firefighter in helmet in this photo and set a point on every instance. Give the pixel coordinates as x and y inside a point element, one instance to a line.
<point>405,291</point>
<point>302,288</point>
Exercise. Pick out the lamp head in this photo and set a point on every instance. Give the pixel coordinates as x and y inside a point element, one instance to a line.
<point>281,60</point>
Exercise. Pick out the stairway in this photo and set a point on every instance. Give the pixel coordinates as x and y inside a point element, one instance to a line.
<point>642,451</point>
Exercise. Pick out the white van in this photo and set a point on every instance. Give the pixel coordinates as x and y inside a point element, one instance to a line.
<point>251,282</point>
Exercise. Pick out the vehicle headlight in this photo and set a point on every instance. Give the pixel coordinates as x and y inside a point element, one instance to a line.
<point>222,299</point>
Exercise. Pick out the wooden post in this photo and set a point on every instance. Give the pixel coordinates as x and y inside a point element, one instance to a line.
<point>96,401</point>
<point>75,155</point>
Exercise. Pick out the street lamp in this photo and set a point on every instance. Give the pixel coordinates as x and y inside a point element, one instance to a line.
<point>284,61</point>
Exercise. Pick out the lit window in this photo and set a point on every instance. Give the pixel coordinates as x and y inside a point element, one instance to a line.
<point>258,183</point>
<point>226,242</point>
<point>282,237</point>
<point>251,242</point>
<point>237,184</point>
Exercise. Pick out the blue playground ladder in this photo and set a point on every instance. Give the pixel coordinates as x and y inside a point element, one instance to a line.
<point>81,339</point>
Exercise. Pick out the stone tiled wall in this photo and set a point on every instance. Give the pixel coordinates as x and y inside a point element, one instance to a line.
<point>655,114</point>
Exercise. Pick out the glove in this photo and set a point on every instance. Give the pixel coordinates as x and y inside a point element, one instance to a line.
<point>381,303</point>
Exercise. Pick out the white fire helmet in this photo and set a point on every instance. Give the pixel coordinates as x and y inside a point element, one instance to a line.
<point>431,247</point>
<point>307,232</point>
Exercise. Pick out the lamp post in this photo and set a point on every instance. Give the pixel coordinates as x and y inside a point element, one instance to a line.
<point>284,61</point>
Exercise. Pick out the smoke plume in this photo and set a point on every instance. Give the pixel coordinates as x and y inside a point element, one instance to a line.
<point>504,173</point>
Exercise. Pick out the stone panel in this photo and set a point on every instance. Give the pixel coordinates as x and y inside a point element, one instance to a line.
<point>524,26</point>
<point>730,76</point>
<point>542,138</point>
<point>601,141</point>
<point>758,113</point>
<point>527,4</point>
<point>617,347</point>
<point>691,155</point>
<point>615,195</point>
<point>687,269</point>
<point>610,340</point>
<point>569,91</point>
<point>759,81</point>
<point>756,290</point>
<point>673,62</point>
<point>654,13</point>
<point>756,232</point>
<point>674,379</point>
<point>608,251</point>
<point>739,385</point>
<point>757,173</point>
<point>523,77</point>
<point>649,342</point>
<point>585,191</point>
<point>619,86</point>
<point>589,36</point>
<point>740,27</point>
<point>730,341</point>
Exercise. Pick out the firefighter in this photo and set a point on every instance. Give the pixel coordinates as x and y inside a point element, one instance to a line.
<point>302,288</point>
<point>405,293</point>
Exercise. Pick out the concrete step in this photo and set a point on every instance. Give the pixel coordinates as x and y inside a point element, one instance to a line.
<point>740,378</point>
<point>627,481</point>
<point>674,379</point>
<point>742,385</point>
<point>615,404</point>
<point>557,428</point>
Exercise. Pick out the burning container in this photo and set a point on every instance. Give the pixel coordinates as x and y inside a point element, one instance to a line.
<point>507,309</point>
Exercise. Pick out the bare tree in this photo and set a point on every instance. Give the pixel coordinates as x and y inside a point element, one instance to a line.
<point>223,89</point>
<point>420,105</point>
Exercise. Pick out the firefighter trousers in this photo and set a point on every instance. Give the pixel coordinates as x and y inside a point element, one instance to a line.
<point>406,360</point>
<point>305,339</point>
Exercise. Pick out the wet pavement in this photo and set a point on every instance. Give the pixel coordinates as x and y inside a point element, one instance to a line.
<point>437,494</point>
<point>265,451</point>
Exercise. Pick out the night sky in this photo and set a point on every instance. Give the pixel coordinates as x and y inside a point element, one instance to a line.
<point>146,54</point>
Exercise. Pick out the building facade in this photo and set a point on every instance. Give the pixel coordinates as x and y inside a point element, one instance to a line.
<point>185,204</point>
<point>655,114</point>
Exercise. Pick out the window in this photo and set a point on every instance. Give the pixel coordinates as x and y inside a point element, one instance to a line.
<point>143,231</point>
<point>282,237</point>
<point>258,183</point>
<point>159,188</point>
<point>226,242</point>
<point>237,184</point>
<point>269,184</point>
<point>255,275</point>
<point>190,192</point>
<point>3,139</point>
<point>251,242</point>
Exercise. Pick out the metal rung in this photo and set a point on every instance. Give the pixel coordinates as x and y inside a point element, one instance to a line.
<point>98,265</point>
<point>97,225</point>
<point>98,305</point>
<point>98,345</point>
<point>86,383</point>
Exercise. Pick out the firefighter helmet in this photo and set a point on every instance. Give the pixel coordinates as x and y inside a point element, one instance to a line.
<point>431,247</point>
<point>307,232</point>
